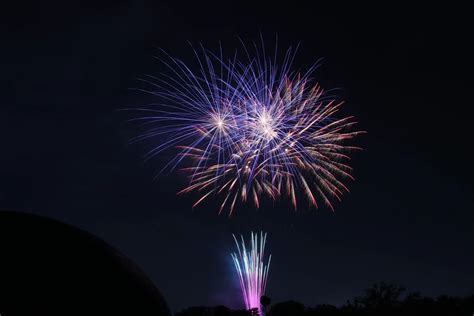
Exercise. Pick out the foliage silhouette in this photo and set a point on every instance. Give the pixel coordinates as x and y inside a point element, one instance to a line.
<point>382,299</point>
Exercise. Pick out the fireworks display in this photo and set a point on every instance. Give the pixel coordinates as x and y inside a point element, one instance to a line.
<point>250,127</point>
<point>251,269</point>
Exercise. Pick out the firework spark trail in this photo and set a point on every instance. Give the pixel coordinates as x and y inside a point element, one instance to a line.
<point>250,128</point>
<point>251,269</point>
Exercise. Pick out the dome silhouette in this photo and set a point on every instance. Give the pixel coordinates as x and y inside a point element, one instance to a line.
<point>50,268</point>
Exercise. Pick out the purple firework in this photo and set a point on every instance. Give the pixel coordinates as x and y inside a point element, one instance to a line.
<point>247,128</point>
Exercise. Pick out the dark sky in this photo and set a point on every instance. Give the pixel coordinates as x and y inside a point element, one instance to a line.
<point>66,68</point>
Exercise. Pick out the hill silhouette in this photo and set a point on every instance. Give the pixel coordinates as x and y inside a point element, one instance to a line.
<point>50,268</point>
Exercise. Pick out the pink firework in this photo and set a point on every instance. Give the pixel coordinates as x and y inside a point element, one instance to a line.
<point>252,269</point>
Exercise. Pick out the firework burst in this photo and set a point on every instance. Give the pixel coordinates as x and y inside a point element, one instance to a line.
<point>252,269</point>
<point>247,128</point>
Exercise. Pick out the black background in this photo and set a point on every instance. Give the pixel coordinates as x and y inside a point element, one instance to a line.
<point>405,72</point>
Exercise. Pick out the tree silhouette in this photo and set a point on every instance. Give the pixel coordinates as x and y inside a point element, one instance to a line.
<point>381,296</point>
<point>265,301</point>
<point>381,299</point>
<point>322,310</point>
<point>287,308</point>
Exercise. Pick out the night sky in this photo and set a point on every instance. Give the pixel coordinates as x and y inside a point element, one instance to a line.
<point>66,69</point>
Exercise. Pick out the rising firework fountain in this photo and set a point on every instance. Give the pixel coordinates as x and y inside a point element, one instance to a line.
<point>252,269</point>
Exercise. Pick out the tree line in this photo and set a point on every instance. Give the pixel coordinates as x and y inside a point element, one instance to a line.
<point>380,299</point>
